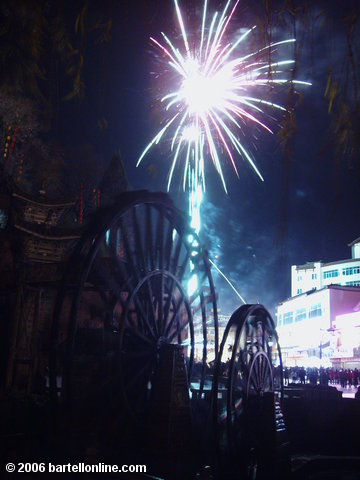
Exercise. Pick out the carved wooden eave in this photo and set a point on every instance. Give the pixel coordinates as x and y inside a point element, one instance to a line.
<point>46,245</point>
<point>50,235</point>
<point>41,211</point>
<point>43,202</point>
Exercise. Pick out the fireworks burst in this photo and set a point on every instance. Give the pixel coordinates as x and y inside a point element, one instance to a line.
<point>217,91</point>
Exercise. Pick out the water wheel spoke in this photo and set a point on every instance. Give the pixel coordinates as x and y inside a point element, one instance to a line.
<point>174,320</point>
<point>175,305</point>
<point>175,312</point>
<point>139,250</point>
<point>257,367</point>
<point>142,264</point>
<point>147,301</point>
<point>168,247</point>
<point>138,318</point>
<point>204,336</point>
<point>150,296</point>
<point>258,370</point>
<point>140,335</point>
<point>266,371</point>
<point>159,238</point>
<point>109,280</point>
<point>182,267</point>
<point>168,303</point>
<point>159,245</point>
<point>150,251</point>
<point>254,382</point>
<point>176,332</point>
<point>130,255</point>
<point>176,255</point>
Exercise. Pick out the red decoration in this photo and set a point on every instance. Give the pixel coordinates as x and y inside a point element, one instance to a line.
<point>12,145</point>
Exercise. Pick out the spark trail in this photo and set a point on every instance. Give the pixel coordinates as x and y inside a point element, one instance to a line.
<point>227,280</point>
<point>215,93</point>
<point>217,90</point>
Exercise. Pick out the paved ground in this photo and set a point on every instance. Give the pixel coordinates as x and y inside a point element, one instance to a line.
<point>347,392</point>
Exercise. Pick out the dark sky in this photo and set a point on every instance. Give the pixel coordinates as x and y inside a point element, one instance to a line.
<point>307,208</point>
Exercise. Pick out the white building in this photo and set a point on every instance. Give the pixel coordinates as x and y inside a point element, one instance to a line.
<point>320,323</point>
<point>316,275</point>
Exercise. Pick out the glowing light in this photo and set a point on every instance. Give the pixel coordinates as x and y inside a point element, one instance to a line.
<point>227,280</point>
<point>192,284</point>
<point>196,196</point>
<point>216,91</point>
<point>190,133</point>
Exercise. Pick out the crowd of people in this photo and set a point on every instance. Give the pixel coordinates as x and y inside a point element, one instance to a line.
<point>323,376</point>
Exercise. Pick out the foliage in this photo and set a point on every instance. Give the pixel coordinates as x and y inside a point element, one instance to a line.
<point>338,24</point>
<point>41,40</point>
<point>20,115</point>
<point>327,40</point>
<point>42,51</point>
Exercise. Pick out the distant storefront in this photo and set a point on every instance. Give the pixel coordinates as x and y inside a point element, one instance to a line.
<point>319,325</point>
<point>346,340</point>
<point>321,328</point>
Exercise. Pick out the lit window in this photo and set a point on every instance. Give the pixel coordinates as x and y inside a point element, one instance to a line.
<point>299,290</point>
<point>299,278</point>
<point>300,314</point>
<point>331,274</point>
<point>288,318</point>
<point>313,276</point>
<point>351,270</point>
<point>315,310</point>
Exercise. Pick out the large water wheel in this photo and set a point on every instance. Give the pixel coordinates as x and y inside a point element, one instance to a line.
<point>247,392</point>
<point>138,279</point>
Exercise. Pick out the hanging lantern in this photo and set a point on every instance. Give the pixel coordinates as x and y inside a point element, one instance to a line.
<point>12,145</point>
<point>20,170</point>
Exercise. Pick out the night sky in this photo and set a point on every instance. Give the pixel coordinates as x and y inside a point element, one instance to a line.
<point>307,209</point>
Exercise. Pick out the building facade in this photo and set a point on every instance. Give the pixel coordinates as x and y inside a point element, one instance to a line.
<point>320,323</point>
<point>316,275</point>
